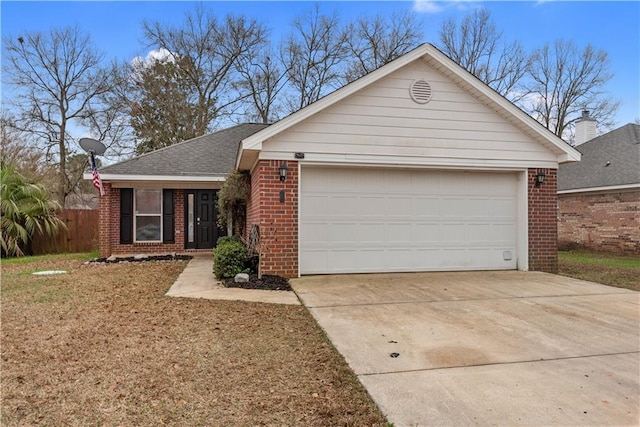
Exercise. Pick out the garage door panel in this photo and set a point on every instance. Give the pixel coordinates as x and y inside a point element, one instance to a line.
<point>316,260</point>
<point>399,233</point>
<point>479,232</point>
<point>312,233</point>
<point>375,220</point>
<point>426,207</point>
<point>343,205</point>
<point>341,232</point>
<point>400,207</point>
<point>427,232</point>
<point>454,232</point>
<point>371,256</point>
<point>342,260</point>
<point>503,184</point>
<point>316,204</point>
<point>371,205</point>
<point>505,208</point>
<point>502,233</point>
<point>398,260</point>
<point>366,182</point>
<point>426,184</point>
<point>370,233</point>
<point>451,208</point>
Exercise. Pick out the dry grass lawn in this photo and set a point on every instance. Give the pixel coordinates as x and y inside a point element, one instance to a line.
<point>102,345</point>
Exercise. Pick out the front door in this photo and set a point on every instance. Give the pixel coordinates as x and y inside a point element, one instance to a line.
<point>201,217</point>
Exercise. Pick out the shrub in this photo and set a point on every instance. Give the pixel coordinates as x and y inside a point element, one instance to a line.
<point>229,258</point>
<point>226,239</point>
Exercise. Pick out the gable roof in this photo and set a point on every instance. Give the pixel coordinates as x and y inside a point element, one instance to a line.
<point>610,160</point>
<point>208,157</point>
<point>251,146</point>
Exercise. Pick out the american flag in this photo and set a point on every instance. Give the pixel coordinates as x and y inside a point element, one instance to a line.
<point>97,182</point>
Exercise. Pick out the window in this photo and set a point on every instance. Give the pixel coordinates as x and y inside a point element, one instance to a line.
<point>148,215</point>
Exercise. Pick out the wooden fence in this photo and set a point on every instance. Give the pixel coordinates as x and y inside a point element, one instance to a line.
<point>81,234</point>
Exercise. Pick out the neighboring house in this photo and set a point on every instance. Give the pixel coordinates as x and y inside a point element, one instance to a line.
<point>599,198</point>
<point>417,166</point>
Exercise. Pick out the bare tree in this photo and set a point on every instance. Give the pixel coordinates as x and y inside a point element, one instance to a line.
<point>564,81</point>
<point>207,52</point>
<point>56,77</point>
<point>374,42</point>
<point>262,78</point>
<point>478,47</point>
<point>28,160</point>
<point>313,53</point>
<point>110,118</point>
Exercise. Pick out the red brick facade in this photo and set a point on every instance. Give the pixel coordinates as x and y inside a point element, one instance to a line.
<point>543,221</point>
<point>109,228</point>
<point>278,221</point>
<point>607,222</point>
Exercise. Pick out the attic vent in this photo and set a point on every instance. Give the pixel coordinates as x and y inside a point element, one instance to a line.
<point>420,91</point>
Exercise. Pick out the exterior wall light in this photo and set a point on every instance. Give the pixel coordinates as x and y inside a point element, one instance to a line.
<point>283,171</point>
<point>540,178</point>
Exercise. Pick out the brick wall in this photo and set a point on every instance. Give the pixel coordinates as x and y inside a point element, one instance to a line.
<point>109,230</point>
<point>543,221</point>
<point>105,221</point>
<point>278,221</point>
<point>607,222</point>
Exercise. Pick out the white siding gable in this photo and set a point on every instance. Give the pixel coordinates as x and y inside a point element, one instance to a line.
<point>381,124</point>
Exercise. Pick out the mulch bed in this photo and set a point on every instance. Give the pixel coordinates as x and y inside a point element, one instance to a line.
<point>268,282</point>
<point>145,259</point>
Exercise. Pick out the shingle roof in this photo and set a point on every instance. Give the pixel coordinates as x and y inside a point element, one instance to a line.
<point>209,155</point>
<point>608,160</point>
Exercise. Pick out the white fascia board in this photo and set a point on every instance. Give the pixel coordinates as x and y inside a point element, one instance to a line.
<point>570,158</point>
<point>599,189</point>
<point>174,178</point>
<point>254,142</point>
<point>568,152</point>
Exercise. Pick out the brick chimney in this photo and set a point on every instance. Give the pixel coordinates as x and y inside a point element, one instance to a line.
<point>585,128</point>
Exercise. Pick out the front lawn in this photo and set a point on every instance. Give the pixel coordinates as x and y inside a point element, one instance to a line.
<point>102,345</point>
<point>622,271</point>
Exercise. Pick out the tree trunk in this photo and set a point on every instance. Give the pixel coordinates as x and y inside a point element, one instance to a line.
<point>61,194</point>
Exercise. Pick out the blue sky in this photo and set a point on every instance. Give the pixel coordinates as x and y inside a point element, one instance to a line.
<point>115,27</point>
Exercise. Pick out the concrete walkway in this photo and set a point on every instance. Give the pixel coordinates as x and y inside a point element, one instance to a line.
<point>197,281</point>
<point>485,348</point>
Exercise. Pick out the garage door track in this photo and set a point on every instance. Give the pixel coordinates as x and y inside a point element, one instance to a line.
<point>485,348</point>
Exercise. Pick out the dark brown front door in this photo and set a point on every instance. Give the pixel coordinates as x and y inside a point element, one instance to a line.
<point>201,215</point>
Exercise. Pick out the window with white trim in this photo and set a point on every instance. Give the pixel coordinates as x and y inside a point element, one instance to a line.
<point>147,205</point>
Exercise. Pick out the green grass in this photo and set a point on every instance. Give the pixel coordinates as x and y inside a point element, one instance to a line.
<point>597,258</point>
<point>49,257</point>
<point>622,271</point>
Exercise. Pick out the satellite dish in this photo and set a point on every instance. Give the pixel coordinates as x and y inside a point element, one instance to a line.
<point>92,146</point>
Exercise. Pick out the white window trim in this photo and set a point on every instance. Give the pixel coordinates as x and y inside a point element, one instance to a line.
<point>136,215</point>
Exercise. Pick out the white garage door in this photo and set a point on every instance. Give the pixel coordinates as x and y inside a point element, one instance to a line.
<point>356,220</point>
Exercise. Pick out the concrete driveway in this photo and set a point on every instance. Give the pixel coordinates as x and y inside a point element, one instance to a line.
<point>485,348</point>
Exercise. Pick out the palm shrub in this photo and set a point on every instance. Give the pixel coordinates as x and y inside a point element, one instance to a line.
<point>26,209</point>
